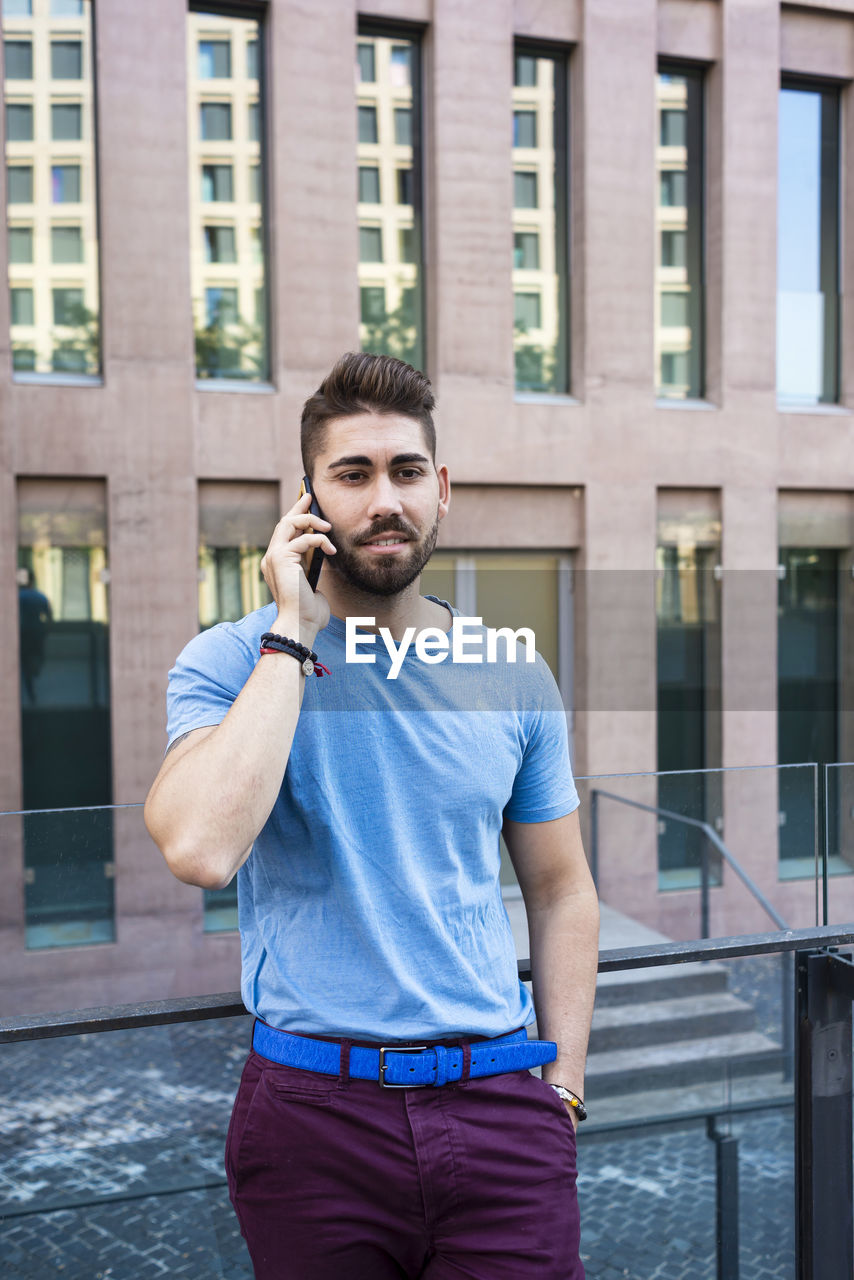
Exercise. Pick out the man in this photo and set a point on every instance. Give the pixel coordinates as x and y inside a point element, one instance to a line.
<point>362,815</point>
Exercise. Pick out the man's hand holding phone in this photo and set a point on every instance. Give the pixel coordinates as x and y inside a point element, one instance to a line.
<point>298,535</point>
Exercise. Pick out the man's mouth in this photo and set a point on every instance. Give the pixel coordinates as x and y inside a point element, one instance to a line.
<point>386,542</point>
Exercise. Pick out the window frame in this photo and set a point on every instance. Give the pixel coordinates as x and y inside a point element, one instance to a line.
<point>560,54</point>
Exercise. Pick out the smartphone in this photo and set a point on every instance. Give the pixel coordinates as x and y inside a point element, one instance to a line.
<point>316,562</point>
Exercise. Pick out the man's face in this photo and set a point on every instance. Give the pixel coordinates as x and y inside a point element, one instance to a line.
<point>377,485</point>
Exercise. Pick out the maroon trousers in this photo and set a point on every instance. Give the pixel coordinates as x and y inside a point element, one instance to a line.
<point>339,1179</point>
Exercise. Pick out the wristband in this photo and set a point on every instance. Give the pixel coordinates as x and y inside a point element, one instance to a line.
<point>573,1099</point>
<point>272,643</point>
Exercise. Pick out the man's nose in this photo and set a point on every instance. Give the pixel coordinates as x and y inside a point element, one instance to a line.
<point>384,498</point>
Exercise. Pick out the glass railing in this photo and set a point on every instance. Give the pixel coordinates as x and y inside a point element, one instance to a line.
<point>111,1143</point>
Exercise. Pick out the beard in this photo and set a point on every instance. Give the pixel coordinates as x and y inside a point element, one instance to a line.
<point>382,575</point>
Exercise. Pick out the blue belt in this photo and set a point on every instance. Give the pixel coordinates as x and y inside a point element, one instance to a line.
<point>402,1067</point>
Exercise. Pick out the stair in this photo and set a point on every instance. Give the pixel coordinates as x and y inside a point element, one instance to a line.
<point>670,1040</point>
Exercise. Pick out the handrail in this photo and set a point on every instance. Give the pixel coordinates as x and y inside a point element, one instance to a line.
<point>229,1004</point>
<point>709,831</point>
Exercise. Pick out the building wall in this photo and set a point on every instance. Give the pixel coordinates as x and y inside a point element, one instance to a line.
<point>583,471</point>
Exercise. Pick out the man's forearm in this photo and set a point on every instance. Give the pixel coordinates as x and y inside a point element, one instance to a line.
<point>564,940</point>
<point>207,806</point>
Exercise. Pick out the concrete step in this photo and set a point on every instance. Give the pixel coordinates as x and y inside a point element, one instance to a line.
<point>711,1097</point>
<point>660,983</point>
<point>680,1063</point>
<point>659,1021</point>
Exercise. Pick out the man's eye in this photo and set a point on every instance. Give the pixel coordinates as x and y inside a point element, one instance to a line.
<point>351,476</point>
<point>410,473</point>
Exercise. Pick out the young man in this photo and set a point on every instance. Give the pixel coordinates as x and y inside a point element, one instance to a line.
<point>362,813</point>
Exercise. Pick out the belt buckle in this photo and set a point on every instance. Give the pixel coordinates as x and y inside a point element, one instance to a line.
<point>395,1048</point>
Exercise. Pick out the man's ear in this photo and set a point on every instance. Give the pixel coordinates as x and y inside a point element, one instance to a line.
<point>444,491</point>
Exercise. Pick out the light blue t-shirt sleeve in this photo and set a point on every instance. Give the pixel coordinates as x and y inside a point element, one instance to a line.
<point>207,677</point>
<point>544,788</point>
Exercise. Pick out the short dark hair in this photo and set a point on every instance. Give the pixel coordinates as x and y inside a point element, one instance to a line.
<point>365,383</point>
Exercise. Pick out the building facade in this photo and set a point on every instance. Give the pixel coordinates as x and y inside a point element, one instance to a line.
<point>614,235</point>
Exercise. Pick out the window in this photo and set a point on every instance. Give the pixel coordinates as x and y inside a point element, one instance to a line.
<point>808,236</point>
<point>369,184</point>
<point>227,152</point>
<point>372,303</point>
<point>214,60</point>
<point>687,594</point>
<point>673,248</point>
<point>399,68</point>
<point>367,124</point>
<point>20,244</point>
<point>63,614</point>
<point>18,59</point>
<point>404,186</point>
<point>525,190</point>
<point>524,128</point>
<point>524,71</point>
<point>221,305</point>
<point>526,250</point>
<point>673,126</point>
<point>17,8</point>
<point>540,263</point>
<point>67,306</point>
<point>23,310</point>
<point>220,244</point>
<point>65,183</point>
<point>66,244</point>
<point>66,60</point>
<point>527,313</point>
<point>403,126</point>
<point>370,244</point>
<point>672,188</point>
<point>66,122</point>
<point>57,182</point>
<point>19,184</point>
<point>365,63</point>
<point>217,183</point>
<point>674,310</point>
<point>215,121</point>
<point>236,520</point>
<point>19,122</point>
<point>679,300</point>
<point>390,256</point>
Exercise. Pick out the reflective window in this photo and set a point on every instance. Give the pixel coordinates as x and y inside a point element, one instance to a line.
<point>19,184</point>
<point>389,162</point>
<point>808,246</point>
<point>18,59</point>
<point>540,234</point>
<point>228,266</point>
<point>65,183</point>
<point>679,290</point>
<point>23,307</point>
<point>809,618</point>
<point>50,162</point>
<point>17,8</point>
<point>369,184</point>
<point>63,607</point>
<point>66,60</point>
<point>687,600</point>
<point>236,521</point>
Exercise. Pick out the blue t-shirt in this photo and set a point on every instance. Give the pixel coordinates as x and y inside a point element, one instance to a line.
<point>370,906</point>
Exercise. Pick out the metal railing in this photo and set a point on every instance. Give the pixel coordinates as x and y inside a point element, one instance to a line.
<point>822,1093</point>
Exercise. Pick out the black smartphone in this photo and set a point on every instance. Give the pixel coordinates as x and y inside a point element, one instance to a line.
<point>316,562</point>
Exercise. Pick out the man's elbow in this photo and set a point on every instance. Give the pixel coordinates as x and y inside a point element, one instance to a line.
<point>187,861</point>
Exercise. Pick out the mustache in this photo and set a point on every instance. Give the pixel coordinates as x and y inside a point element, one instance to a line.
<point>382,527</point>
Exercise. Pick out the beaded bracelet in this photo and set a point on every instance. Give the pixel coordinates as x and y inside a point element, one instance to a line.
<point>272,643</point>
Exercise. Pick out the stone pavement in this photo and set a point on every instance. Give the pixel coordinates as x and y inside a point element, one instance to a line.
<point>111,1166</point>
